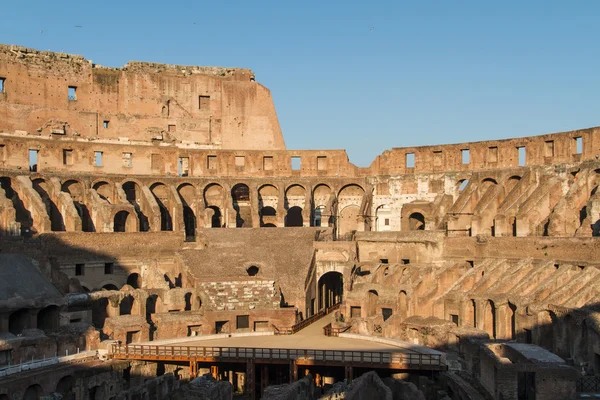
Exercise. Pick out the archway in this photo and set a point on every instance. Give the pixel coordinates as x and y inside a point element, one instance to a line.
<point>104,191</point>
<point>47,319</point>
<point>215,219</point>
<point>110,286</point>
<point>372,302</point>
<point>133,193</point>
<point>268,217</point>
<point>33,392</point>
<point>189,221</point>
<point>240,195</point>
<point>331,289</point>
<point>57,222</point>
<point>65,387</point>
<point>321,198</point>
<point>348,221</point>
<point>126,305</point>
<point>349,201</point>
<point>402,304</point>
<point>76,191</point>
<point>489,319</point>
<point>18,321</point>
<point>162,198</point>
<point>134,280</point>
<point>23,216</point>
<point>416,222</point>
<point>294,217</point>
<point>123,222</point>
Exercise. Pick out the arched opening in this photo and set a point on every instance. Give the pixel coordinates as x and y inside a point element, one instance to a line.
<point>23,216</point>
<point>150,306</point>
<point>461,185</point>
<point>268,216</point>
<point>126,305</point>
<point>65,387</point>
<point>402,304</point>
<point>512,331</point>
<point>321,198</point>
<point>489,319</point>
<point>372,301</point>
<point>215,219</point>
<point>18,321</point>
<point>294,217</point>
<point>331,289</point>
<point>214,199</point>
<point>162,198</point>
<point>349,202</point>
<point>240,195</point>
<point>33,392</point>
<point>110,286</point>
<point>76,191</point>
<point>189,221</point>
<point>47,319</point>
<point>252,270</point>
<point>512,182</point>
<point>57,222</point>
<point>133,193</point>
<point>197,305</point>
<point>416,222</point>
<point>104,191</point>
<point>134,280</point>
<point>123,222</point>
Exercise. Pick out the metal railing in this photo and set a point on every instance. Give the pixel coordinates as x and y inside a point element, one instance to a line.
<point>198,353</point>
<point>328,330</point>
<point>308,321</point>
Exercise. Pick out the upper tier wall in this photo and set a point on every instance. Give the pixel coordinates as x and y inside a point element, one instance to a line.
<point>555,148</point>
<point>210,106</point>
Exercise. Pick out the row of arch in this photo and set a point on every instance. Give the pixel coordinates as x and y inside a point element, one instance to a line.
<point>47,319</point>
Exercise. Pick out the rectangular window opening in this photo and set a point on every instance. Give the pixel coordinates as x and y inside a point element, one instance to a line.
<point>267,163</point>
<point>240,161</point>
<point>155,161</point>
<point>355,312</point>
<point>387,313</point>
<point>127,160</point>
<point>528,336</point>
<point>211,162</point>
<point>33,160</point>
<point>384,260</point>
<point>410,160</point>
<point>437,158</point>
<point>79,269</point>
<point>466,156</point>
<point>522,156</point>
<point>321,163</point>
<point>578,145</point>
<point>109,268</point>
<point>242,322</point>
<point>454,319</point>
<point>203,102</point>
<point>171,128</point>
<point>98,158</point>
<point>549,148</point>
<point>183,166</point>
<point>405,261</point>
<point>296,163</point>
<point>386,222</point>
<point>492,154</point>
<point>72,93</point>
<point>105,124</point>
<point>67,157</point>
<point>2,84</point>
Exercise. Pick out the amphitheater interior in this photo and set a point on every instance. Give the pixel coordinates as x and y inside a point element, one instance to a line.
<point>158,241</point>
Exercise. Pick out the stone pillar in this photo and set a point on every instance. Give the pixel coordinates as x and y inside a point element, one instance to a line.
<point>293,371</point>
<point>308,207</point>
<point>249,381</point>
<point>281,211</point>
<point>254,207</point>
<point>264,377</point>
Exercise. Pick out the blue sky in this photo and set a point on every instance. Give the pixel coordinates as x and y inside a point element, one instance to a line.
<point>357,75</point>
